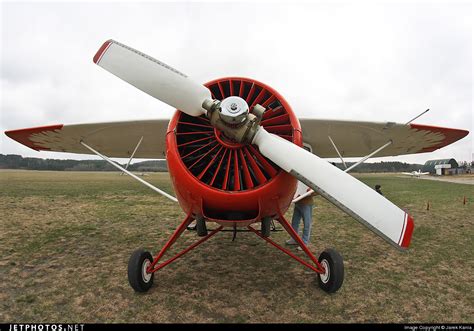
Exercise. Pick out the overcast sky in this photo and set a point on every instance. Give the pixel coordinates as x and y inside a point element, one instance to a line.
<point>375,62</point>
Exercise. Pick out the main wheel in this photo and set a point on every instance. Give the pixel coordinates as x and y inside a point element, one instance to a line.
<point>139,279</point>
<point>331,280</point>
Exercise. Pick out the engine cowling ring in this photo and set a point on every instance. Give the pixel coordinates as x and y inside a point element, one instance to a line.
<point>224,180</point>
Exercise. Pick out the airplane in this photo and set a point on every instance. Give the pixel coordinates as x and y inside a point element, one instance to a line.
<point>234,154</point>
<point>416,173</point>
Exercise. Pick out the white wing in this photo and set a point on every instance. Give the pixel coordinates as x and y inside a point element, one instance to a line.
<point>114,139</point>
<point>355,139</point>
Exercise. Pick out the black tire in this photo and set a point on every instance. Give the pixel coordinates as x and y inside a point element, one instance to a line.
<point>138,281</point>
<point>201,227</point>
<point>266,227</point>
<point>332,280</point>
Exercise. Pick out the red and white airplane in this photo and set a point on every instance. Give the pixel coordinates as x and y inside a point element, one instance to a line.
<point>234,156</point>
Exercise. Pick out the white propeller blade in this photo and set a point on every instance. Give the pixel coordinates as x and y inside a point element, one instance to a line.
<point>153,77</point>
<point>346,192</point>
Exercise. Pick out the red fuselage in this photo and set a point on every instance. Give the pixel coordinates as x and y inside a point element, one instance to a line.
<point>223,181</point>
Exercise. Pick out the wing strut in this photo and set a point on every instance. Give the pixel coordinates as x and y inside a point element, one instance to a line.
<point>133,154</point>
<point>350,168</point>
<point>129,173</point>
<point>417,116</point>
<point>368,156</point>
<point>337,151</point>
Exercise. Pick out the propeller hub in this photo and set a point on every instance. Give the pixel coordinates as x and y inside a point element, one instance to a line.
<point>233,110</point>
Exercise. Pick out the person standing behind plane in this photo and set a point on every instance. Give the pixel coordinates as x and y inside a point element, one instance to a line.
<point>378,189</point>
<point>303,209</point>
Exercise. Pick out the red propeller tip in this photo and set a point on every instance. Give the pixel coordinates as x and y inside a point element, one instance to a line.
<point>101,51</point>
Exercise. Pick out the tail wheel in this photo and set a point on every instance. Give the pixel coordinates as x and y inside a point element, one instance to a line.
<point>139,279</point>
<point>331,280</point>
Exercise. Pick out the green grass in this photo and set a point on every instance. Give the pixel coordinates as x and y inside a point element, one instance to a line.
<point>66,238</point>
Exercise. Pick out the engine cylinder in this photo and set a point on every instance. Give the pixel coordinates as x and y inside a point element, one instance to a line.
<point>227,181</point>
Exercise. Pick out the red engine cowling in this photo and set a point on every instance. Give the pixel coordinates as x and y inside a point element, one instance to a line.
<point>225,181</point>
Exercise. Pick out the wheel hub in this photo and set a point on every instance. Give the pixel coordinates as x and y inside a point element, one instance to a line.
<point>327,274</point>
<point>145,275</point>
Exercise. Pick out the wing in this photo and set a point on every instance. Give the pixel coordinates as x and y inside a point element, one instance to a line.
<point>354,139</point>
<point>407,173</point>
<point>115,139</point>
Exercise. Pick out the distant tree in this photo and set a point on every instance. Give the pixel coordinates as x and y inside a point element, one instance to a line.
<point>12,161</point>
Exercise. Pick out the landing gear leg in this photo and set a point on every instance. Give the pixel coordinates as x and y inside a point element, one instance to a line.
<point>329,266</point>
<point>142,266</point>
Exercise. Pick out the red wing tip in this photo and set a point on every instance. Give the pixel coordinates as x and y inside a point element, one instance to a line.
<point>455,133</point>
<point>23,135</point>
<point>450,135</point>
<point>101,51</point>
<point>408,232</point>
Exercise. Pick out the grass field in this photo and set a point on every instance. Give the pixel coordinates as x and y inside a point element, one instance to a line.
<point>66,238</point>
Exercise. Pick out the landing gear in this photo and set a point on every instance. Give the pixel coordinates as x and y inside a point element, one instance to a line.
<point>331,279</point>
<point>142,266</point>
<point>329,267</point>
<point>138,277</point>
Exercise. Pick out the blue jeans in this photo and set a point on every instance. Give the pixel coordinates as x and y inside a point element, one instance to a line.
<point>305,212</point>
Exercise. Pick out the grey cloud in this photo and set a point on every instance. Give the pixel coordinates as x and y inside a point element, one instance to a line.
<point>345,61</point>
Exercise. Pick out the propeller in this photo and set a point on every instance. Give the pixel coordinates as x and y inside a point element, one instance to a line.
<point>176,89</point>
<point>153,77</point>
<point>344,191</point>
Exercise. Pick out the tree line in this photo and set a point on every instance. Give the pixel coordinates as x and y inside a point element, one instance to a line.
<point>392,166</point>
<point>12,161</point>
